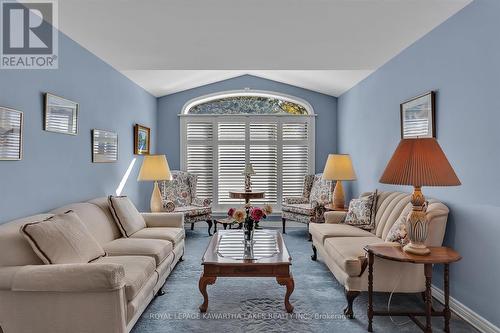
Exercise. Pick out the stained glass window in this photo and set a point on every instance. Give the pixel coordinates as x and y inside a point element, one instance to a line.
<point>253,105</point>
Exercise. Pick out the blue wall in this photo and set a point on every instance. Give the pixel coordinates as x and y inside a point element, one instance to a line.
<point>171,105</point>
<point>56,168</point>
<point>460,59</point>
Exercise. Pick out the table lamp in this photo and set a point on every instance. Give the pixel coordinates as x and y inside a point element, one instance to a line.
<point>248,172</point>
<point>419,162</point>
<point>338,167</point>
<point>155,168</point>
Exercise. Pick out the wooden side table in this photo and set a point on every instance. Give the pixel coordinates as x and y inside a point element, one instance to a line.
<point>330,208</point>
<point>438,255</point>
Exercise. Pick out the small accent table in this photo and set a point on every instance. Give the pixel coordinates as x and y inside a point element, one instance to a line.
<point>225,223</point>
<point>334,209</point>
<point>438,255</point>
<point>277,265</point>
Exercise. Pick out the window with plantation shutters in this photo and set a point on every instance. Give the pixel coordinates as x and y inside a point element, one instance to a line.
<point>217,147</point>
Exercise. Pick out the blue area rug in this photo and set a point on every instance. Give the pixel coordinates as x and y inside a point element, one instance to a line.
<point>256,304</point>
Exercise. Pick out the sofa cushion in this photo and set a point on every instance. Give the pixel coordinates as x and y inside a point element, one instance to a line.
<point>62,239</point>
<point>97,219</point>
<point>174,235</point>
<point>348,253</point>
<point>322,231</point>
<point>303,209</point>
<point>127,217</point>
<point>157,249</point>
<point>137,269</point>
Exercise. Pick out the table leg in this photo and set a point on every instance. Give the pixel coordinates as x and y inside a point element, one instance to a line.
<point>202,285</point>
<point>370,292</point>
<point>428,297</point>
<point>447,313</point>
<point>290,286</point>
<point>225,226</point>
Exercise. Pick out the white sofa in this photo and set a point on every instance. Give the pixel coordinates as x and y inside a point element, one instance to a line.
<point>107,295</point>
<point>340,246</point>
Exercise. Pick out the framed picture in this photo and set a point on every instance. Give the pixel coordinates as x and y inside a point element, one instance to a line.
<point>61,115</point>
<point>141,139</point>
<point>104,146</point>
<point>418,117</point>
<point>11,134</point>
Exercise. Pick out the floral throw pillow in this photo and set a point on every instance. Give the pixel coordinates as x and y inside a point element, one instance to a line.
<point>321,190</point>
<point>398,233</point>
<point>361,212</point>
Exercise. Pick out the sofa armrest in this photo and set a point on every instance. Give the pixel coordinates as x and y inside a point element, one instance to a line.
<point>335,216</point>
<point>173,220</point>
<point>69,278</point>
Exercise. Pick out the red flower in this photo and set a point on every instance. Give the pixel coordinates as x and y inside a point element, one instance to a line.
<point>230,212</point>
<point>257,214</point>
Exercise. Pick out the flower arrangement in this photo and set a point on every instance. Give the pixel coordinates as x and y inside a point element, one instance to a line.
<point>249,216</point>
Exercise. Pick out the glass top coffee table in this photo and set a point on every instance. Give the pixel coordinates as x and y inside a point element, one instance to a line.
<point>226,256</point>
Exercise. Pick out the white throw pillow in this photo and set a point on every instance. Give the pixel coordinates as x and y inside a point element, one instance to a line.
<point>62,239</point>
<point>126,216</point>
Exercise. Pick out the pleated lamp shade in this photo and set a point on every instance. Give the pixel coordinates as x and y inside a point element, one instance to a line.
<point>419,162</point>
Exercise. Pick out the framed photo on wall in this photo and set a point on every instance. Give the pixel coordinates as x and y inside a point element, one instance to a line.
<point>104,146</point>
<point>11,134</point>
<point>61,115</point>
<point>142,140</point>
<point>418,117</point>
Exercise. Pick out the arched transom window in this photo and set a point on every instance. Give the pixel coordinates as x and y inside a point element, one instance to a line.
<point>220,133</point>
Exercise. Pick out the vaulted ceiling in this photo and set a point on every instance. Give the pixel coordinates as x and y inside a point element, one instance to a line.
<point>325,46</point>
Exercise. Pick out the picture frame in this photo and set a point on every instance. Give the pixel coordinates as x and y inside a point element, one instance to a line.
<point>418,116</point>
<point>60,115</point>
<point>11,134</point>
<point>142,140</point>
<point>104,146</point>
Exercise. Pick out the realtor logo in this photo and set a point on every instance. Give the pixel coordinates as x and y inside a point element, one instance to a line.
<point>29,35</point>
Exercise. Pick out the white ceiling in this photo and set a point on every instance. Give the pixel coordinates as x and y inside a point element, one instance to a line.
<point>323,45</point>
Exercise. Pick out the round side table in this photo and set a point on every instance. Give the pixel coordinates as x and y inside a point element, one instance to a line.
<point>438,255</point>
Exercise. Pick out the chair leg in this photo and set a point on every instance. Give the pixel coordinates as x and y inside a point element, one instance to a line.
<point>350,295</point>
<point>283,222</point>
<point>209,222</point>
<point>215,227</point>
<point>192,226</point>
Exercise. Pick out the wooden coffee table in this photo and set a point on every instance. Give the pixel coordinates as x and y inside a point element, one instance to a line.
<point>276,265</point>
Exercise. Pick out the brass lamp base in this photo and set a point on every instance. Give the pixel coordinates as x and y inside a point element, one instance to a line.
<point>156,204</point>
<point>338,196</point>
<point>417,225</point>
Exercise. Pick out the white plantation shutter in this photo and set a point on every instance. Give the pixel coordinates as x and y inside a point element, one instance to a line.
<point>295,166</point>
<point>199,156</point>
<point>217,149</point>
<point>231,161</point>
<point>264,159</point>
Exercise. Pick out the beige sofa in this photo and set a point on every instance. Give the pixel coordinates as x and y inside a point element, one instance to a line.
<point>340,246</point>
<point>107,295</point>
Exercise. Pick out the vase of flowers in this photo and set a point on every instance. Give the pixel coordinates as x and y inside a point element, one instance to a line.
<point>249,216</point>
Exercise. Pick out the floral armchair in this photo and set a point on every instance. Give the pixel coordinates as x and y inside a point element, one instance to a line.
<point>179,195</point>
<point>310,207</point>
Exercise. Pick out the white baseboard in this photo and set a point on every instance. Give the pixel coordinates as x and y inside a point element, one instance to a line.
<point>465,313</point>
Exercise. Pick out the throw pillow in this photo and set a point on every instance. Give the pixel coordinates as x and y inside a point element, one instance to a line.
<point>126,216</point>
<point>361,212</point>
<point>62,239</point>
<point>398,233</point>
